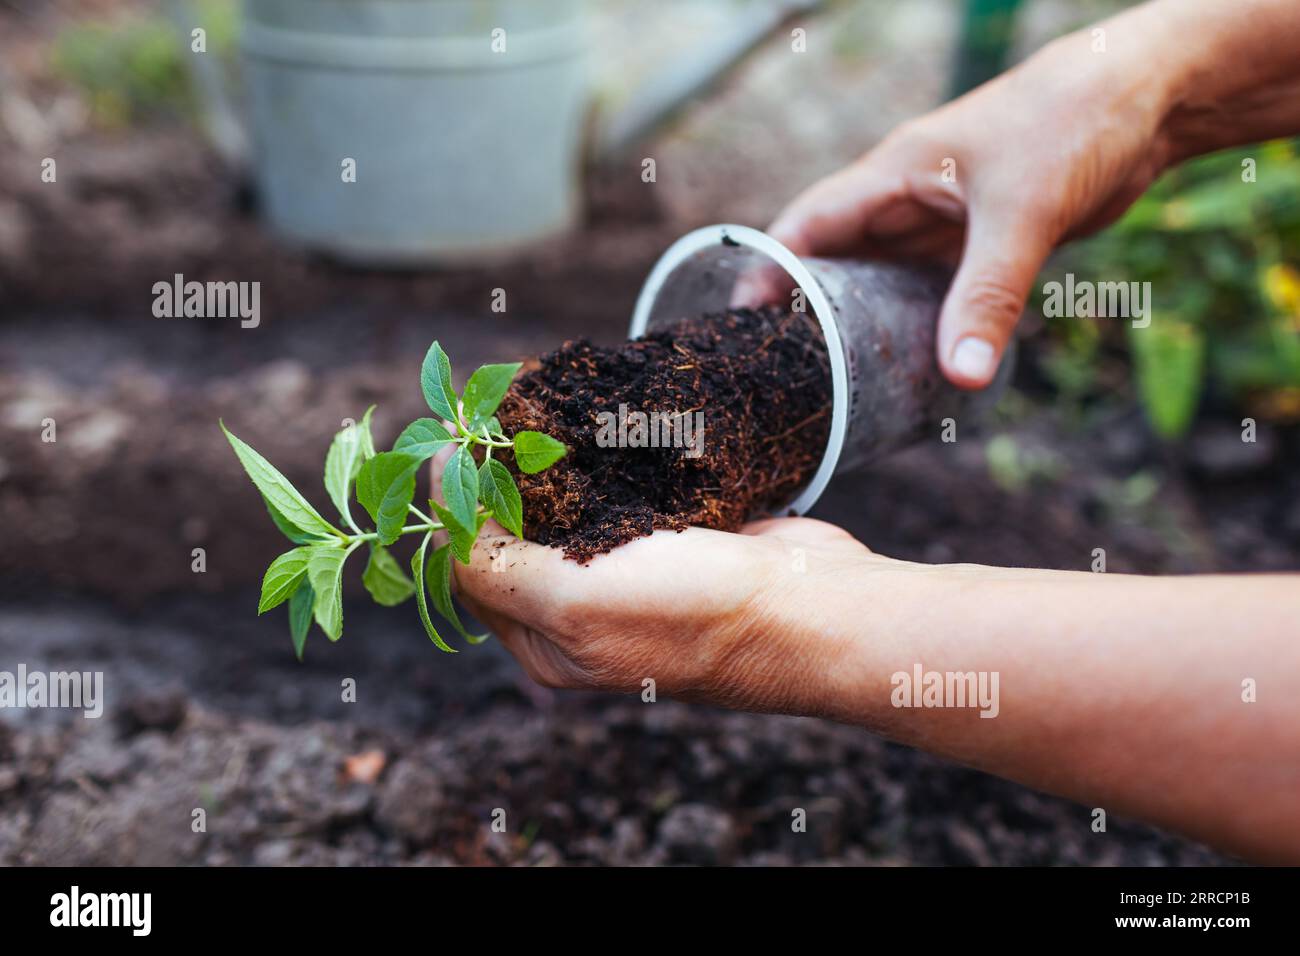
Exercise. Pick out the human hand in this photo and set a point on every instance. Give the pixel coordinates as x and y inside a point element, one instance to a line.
<point>704,614</point>
<point>1055,148</point>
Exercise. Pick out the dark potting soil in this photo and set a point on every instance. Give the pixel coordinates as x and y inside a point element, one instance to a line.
<point>757,381</point>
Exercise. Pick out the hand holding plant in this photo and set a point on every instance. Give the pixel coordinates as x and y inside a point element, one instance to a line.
<point>310,577</point>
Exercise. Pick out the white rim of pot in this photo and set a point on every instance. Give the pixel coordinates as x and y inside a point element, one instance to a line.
<point>709,236</point>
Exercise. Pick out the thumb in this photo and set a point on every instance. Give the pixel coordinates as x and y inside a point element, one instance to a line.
<point>1001,258</point>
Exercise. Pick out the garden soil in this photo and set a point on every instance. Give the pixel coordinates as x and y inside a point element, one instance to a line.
<point>734,417</point>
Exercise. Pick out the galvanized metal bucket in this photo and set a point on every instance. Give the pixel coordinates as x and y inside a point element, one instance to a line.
<point>466,141</point>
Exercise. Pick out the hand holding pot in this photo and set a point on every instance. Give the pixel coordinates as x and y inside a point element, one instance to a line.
<point>1055,148</point>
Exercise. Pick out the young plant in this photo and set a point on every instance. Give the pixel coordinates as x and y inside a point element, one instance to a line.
<point>310,577</point>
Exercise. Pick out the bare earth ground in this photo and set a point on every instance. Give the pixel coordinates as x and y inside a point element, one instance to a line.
<point>206,707</point>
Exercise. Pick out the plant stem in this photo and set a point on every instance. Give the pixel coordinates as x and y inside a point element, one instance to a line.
<point>409,529</point>
<point>478,438</point>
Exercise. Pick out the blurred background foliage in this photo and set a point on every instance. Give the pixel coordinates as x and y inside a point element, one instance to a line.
<point>1218,238</point>
<point>134,67</point>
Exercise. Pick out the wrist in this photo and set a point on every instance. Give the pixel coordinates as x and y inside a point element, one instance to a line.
<point>1227,72</point>
<point>824,641</point>
<point>879,623</point>
<point>1131,71</point>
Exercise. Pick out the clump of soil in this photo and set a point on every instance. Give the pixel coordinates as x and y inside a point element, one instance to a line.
<point>760,380</point>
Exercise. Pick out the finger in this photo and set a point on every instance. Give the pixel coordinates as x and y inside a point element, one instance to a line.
<point>761,285</point>
<point>777,527</point>
<point>933,242</point>
<point>519,579</point>
<point>930,241</point>
<point>503,627</point>
<point>538,657</point>
<point>802,531</point>
<point>1002,255</point>
<point>832,215</point>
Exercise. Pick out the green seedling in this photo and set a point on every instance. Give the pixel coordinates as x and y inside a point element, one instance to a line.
<point>310,577</point>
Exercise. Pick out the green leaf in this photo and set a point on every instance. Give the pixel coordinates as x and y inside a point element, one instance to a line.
<point>287,529</point>
<point>435,382</point>
<point>461,537</point>
<point>536,452</point>
<point>423,437</point>
<point>278,492</point>
<point>501,496</point>
<point>282,578</point>
<point>417,572</point>
<point>343,461</point>
<point>385,487</point>
<point>367,436</point>
<point>325,575</point>
<point>460,486</point>
<point>385,579</point>
<point>438,575</point>
<point>1169,358</point>
<point>485,389</point>
<point>300,606</point>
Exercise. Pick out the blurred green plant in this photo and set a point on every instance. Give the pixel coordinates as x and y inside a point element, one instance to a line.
<point>134,67</point>
<point>1219,241</point>
<point>1015,467</point>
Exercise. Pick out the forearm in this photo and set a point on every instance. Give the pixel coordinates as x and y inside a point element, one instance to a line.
<point>1226,73</point>
<point>1121,692</point>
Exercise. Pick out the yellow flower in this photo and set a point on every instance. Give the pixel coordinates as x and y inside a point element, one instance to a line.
<point>1175,214</point>
<point>1282,286</point>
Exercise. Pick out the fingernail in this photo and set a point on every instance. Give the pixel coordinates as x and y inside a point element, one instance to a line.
<point>745,294</point>
<point>974,359</point>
